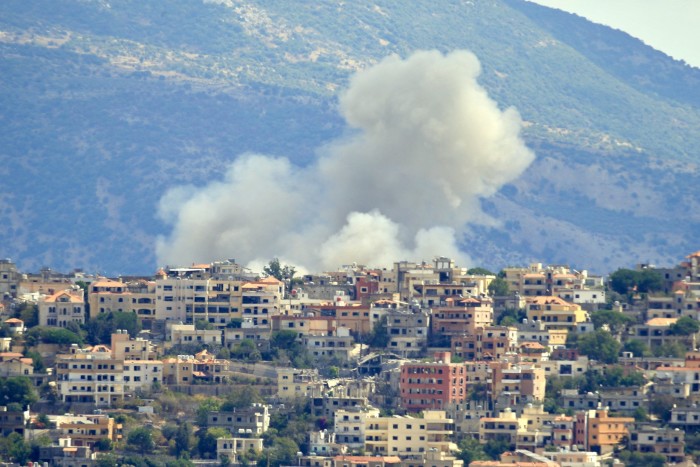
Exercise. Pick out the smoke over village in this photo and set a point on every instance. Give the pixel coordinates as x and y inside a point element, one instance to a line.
<point>424,143</point>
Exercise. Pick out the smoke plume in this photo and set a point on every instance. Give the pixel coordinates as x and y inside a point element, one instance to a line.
<point>426,143</point>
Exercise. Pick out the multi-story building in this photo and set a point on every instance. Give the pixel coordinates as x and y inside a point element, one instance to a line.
<point>504,427</point>
<point>9,278</point>
<point>253,420</point>
<point>517,384</point>
<point>538,331</point>
<point>86,430</point>
<point>182,334</point>
<point>189,369</point>
<point>339,345</point>
<point>62,307</point>
<point>90,376</point>
<point>461,316</point>
<point>349,425</point>
<point>487,343</point>
<point>432,385</point>
<point>408,331</point>
<point>668,442</point>
<point>107,295</point>
<point>556,313</point>
<point>682,302</point>
<point>403,436</point>
<point>142,375</point>
<point>293,383</point>
<point>657,332</point>
<point>123,347</point>
<point>597,431</point>
<point>229,450</point>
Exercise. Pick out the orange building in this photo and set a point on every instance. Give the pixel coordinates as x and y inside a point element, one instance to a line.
<point>598,432</point>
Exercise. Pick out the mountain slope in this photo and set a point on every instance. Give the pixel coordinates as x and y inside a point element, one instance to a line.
<point>104,106</point>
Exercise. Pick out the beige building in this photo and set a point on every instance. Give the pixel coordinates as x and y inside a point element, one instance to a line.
<point>230,449</point>
<point>556,313</point>
<point>293,383</point>
<point>107,295</point>
<point>91,376</point>
<point>403,436</point>
<point>62,307</point>
<point>179,334</point>
<point>86,430</point>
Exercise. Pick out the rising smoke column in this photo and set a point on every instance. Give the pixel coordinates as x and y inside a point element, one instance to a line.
<point>427,142</point>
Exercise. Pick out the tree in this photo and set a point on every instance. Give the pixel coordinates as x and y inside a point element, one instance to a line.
<point>479,272</point>
<point>498,287</point>
<point>599,345</point>
<point>637,347</point>
<point>18,390</point>
<point>29,313</point>
<point>660,405</point>
<point>624,281</point>
<point>642,459</point>
<point>207,441</point>
<point>141,439</point>
<point>379,337</point>
<point>51,335</point>
<point>101,328</point>
<point>183,439</point>
<point>279,272</point>
<point>615,320</point>
<point>685,326</point>
<point>471,450</point>
<point>511,317</point>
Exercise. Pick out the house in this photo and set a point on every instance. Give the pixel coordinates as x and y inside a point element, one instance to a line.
<point>62,307</point>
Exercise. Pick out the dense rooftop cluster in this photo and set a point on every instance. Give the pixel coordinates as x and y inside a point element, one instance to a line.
<point>421,363</point>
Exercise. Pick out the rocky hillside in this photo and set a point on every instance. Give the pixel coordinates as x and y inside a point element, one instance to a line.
<point>104,106</point>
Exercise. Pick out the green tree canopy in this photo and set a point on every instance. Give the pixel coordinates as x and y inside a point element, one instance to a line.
<point>615,320</point>
<point>498,287</point>
<point>599,345</point>
<point>637,347</point>
<point>279,272</point>
<point>141,439</point>
<point>685,326</point>
<point>624,281</point>
<point>101,327</point>
<point>480,272</point>
<point>19,390</point>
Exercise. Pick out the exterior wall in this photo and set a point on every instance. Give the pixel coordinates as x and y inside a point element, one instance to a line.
<point>62,308</point>
<point>432,385</point>
<point>406,435</point>
<point>92,378</point>
<point>142,374</point>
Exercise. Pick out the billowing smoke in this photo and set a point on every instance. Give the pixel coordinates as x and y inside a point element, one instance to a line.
<point>427,143</point>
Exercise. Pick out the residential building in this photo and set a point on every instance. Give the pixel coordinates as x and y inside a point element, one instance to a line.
<point>15,364</point>
<point>407,435</point>
<point>91,376</point>
<point>62,307</point>
<point>597,431</point>
<point>556,313</point>
<point>669,442</point>
<point>251,421</point>
<point>9,278</point>
<point>486,343</point>
<point>293,383</point>
<point>86,430</point>
<point>408,331</point>
<point>432,385</point>
<point>183,334</point>
<point>461,316</point>
<point>349,425</point>
<point>229,450</point>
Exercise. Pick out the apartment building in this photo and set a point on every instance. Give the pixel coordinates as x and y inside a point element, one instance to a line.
<point>189,369</point>
<point>349,425</point>
<point>91,376</point>
<point>9,278</point>
<point>669,442</point>
<point>86,430</point>
<point>657,332</point>
<point>432,385</point>
<point>403,436</point>
<point>538,331</point>
<point>182,334</point>
<point>597,431</point>
<point>408,331</point>
<point>460,316</point>
<point>555,313</point>
<point>251,421</point>
<point>487,343</point>
<point>682,302</point>
<point>63,307</point>
<point>107,295</point>
<point>515,384</point>
<point>339,345</point>
<point>229,450</point>
<point>142,375</point>
<point>15,364</point>
<point>293,383</point>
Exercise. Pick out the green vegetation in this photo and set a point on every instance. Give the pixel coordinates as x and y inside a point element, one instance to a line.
<point>624,281</point>
<point>599,345</point>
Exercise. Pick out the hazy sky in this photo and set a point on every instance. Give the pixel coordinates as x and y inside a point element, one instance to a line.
<point>672,26</point>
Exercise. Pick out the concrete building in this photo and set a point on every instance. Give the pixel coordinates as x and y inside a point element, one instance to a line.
<point>487,343</point>
<point>231,449</point>
<point>402,436</point>
<point>253,420</point>
<point>669,442</point>
<point>556,313</point>
<point>597,431</point>
<point>62,307</point>
<point>432,385</point>
<point>86,430</point>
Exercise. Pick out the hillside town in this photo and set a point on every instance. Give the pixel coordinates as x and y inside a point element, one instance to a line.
<point>421,364</point>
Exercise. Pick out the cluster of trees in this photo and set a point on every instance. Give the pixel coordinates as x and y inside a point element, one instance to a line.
<point>625,281</point>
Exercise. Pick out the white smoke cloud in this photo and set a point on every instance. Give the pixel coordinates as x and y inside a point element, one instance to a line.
<point>428,143</point>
